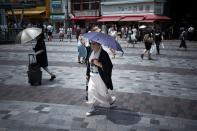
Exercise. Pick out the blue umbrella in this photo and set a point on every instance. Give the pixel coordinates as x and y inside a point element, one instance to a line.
<point>104,39</point>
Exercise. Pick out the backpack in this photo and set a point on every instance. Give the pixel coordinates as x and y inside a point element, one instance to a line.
<point>148,39</point>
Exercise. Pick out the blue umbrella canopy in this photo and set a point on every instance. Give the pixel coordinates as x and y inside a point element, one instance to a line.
<point>104,39</point>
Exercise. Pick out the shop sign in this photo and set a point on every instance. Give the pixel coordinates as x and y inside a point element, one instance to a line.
<point>58,17</point>
<point>56,4</point>
<point>132,8</point>
<point>86,13</point>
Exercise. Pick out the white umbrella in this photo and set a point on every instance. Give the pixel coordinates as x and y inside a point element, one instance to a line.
<point>142,27</point>
<point>28,34</point>
<point>191,29</point>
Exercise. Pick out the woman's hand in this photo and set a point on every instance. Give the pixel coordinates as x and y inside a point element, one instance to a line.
<point>87,77</point>
<point>97,63</point>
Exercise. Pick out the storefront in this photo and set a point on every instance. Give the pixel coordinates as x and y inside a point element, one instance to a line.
<point>58,20</point>
<point>58,14</point>
<point>85,21</point>
<point>132,13</point>
<point>39,13</point>
<point>85,13</point>
<point>10,27</point>
<point>2,17</point>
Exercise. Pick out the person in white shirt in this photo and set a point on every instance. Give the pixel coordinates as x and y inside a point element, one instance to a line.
<point>49,31</point>
<point>134,30</point>
<point>61,33</point>
<point>99,73</point>
<point>69,33</point>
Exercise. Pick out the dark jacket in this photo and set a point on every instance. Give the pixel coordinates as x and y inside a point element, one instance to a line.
<point>106,71</point>
<point>42,57</point>
<point>158,36</point>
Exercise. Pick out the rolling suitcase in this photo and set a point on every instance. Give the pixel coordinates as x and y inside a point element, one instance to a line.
<point>34,71</point>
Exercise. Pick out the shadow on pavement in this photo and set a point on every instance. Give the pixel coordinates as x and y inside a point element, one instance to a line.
<point>118,115</point>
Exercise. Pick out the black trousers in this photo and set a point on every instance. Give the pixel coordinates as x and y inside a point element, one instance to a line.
<point>183,44</point>
<point>157,46</point>
<point>88,53</point>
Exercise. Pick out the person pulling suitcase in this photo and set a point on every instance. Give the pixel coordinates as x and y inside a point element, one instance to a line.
<point>41,55</point>
<point>34,72</point>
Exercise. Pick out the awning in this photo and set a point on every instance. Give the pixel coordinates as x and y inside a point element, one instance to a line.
<point>85,18</point>
<point>109,18</point>
<point>27,12</point>
<point>132,18</point>
<point>147,21</point>
<point>157,17</point>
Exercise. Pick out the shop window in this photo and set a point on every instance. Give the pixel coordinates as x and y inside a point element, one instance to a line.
<point>87,0</point>
<point>141,7</point>
<point>147,8</point>
<point>134,8</point>
<point>85,6</point>
<point>158,8</point>
<point>76,6</point>
<point>94,6</point>
<point>75,1</point>
<point>129,8</point>
<point>37,2</point>
<point>158,11</point>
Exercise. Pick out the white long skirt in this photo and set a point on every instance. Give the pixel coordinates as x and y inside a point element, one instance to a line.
<point>97,91</point>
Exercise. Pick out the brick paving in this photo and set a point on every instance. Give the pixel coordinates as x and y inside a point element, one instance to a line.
<point>158,95</point>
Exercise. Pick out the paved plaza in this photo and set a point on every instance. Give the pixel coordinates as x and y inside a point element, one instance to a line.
<point>152,95</point>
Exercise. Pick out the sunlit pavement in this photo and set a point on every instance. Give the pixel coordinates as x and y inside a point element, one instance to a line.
<point>156,95</point>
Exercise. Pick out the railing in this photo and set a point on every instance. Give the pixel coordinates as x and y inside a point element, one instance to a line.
<point>86,13</point>
<point>8,35</point>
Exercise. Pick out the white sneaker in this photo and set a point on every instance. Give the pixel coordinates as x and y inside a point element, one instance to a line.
<point>113,100</point>
<point>88,113</point>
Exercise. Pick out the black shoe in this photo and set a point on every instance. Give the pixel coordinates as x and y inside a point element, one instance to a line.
<point>142,56</point>
<point>52,77</point>
<point>113,100</point>
<point>86,96</point>
<point>150,58</point>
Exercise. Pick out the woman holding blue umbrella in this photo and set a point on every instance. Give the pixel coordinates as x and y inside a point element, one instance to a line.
<point>99,71</point>
<point>104,40</point>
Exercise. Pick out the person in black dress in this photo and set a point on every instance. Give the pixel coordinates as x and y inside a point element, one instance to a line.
<point>158,39</point>
<point>41,54</point>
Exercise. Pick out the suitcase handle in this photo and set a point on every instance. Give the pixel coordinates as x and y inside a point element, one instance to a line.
<point>33,60</point>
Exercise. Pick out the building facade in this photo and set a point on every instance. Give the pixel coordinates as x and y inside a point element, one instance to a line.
<point>59,13</point>
<point>90,12</point>
<point>133,10</point>
<point>85,12</point>
<point>2,15</point>
<point>40,13</point>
